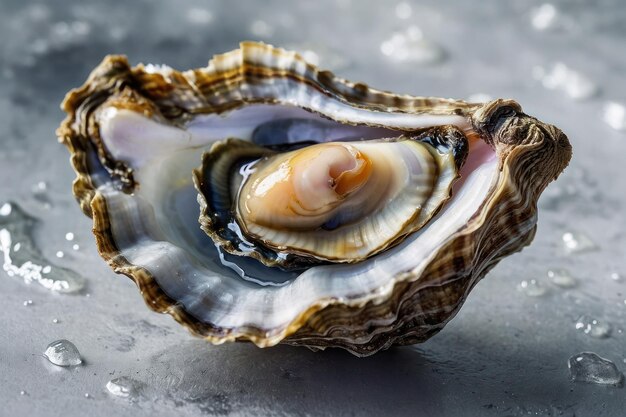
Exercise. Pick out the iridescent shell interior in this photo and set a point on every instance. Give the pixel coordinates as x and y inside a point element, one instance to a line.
<point>136,135</point>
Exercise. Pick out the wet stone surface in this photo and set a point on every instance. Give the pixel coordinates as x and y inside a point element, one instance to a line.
<point>506,353</point>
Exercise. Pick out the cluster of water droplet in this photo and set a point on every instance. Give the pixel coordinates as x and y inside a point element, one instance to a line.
<point>593,327</point>
<point>587,366</point>
<point>544,17</point>
<point>532,288</point>
<point>577,242</point>
<point>22,258</point>
<point>614,114</point>
<point>567,80</point>
<point>560,76</point>
<point>411,46</point>
<point>64,353</point>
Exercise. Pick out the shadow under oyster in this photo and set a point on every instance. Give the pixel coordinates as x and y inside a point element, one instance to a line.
<point>331,214</point>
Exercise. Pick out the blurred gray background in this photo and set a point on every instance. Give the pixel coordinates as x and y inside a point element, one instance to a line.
<point>506,354</point>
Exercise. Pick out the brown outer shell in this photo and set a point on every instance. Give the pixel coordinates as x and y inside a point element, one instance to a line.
<point>531,154</point>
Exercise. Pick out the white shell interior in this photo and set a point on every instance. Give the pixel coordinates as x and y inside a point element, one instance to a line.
<point>157,226</point>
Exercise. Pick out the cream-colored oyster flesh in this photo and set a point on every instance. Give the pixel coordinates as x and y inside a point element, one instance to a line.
<point>332,201</point>
<point>136,136</point>
<point>379,189</point>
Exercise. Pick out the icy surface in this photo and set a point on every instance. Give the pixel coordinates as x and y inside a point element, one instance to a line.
<point>504,354</point>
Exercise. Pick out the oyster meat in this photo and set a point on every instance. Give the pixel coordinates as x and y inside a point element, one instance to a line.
<point>333,201</point>
<point>261,199</point>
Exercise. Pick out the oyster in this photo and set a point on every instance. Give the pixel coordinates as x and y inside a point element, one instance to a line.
<point>336,201</point>
<point>137,134</point>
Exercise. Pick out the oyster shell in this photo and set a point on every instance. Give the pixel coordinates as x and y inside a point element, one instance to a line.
<point>136,134</point>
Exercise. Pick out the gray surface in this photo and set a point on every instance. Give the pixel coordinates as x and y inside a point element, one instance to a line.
<point>505,354</point>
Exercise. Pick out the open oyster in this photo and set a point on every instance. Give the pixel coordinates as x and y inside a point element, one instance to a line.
<point>331,214</point>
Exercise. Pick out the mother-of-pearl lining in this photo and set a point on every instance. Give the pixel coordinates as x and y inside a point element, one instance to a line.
<point>151,147</point>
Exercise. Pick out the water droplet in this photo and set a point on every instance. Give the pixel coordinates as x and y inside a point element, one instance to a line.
<point>562,278</point>
<point>544,16</point>
<point>38,12</point>
<point>63,353</point>
<point>40,186</point>
<point>69,236</point>
<point>261,29</point>
<point>87,395</point>
<point>55,321</point>
<point>28,303</point>
<point>199,16</point>
<point>479,98</point>
<point>614,114</point>
<point>576,242</point>
<point>65,34</point>
<point>532,288</point>
<point>562,78</point>
<point>125,387</point>
<point>39,47</point>
<point>39,189</point>
<point>17,247</point>
<point>60,254</point>
<point>591,368</point>
<point>117,33</point>
<point>616,276</point>
<point>5,210</point>
<point>593,327</point>
<point>403,10</point>
<point>22,392</point>
<point>28,263</point>
<point>75,246</point>
<point>411,47</point>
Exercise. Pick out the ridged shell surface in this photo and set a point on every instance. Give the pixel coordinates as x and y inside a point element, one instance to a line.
<point>136,134</point>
